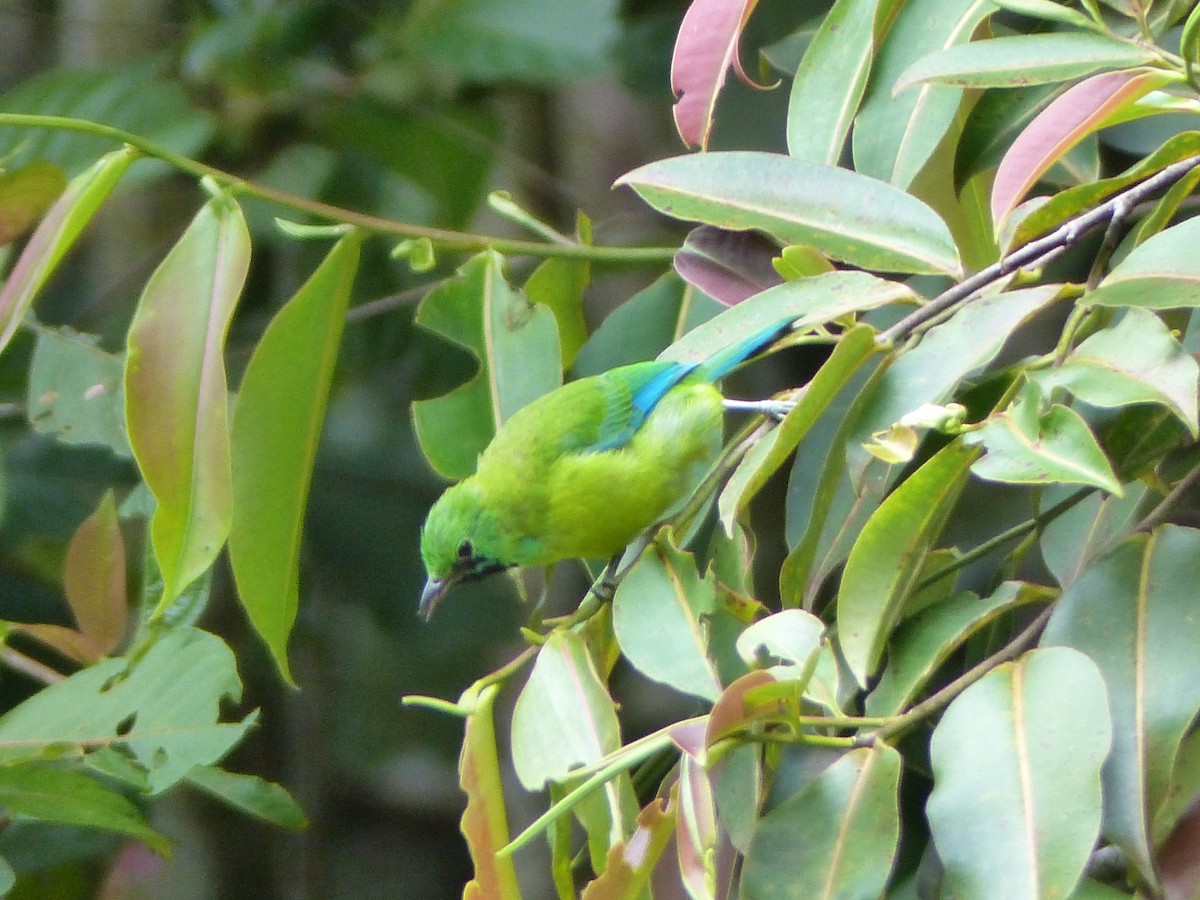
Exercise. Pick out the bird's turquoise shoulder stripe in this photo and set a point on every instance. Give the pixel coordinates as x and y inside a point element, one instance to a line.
<point>648,383</point>
<point>632,393</point>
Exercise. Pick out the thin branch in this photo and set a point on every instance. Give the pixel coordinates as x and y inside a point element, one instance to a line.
<point>1036,251</point>
<point>1014,533</point>
<point>946,695</point>
<point>1158,515</point>
<point>445,239</point>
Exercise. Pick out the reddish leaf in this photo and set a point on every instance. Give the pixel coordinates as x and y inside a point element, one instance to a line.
<point>707,45</point>
<point>729,266</point>
<point>70,643</point>
<point>696,826</point>
<point>730,711</point>
<point>94,576</point>
<point>1179,857</point>
<point>176,399</point>
<point>484,821</point>
<point>1060,126</point>
<point>55,234</point>
<point>630,864</point>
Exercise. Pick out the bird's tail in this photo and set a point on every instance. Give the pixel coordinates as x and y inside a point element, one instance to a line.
<point>724,361</point>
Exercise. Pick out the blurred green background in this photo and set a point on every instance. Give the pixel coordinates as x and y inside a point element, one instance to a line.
<point>409,110</point>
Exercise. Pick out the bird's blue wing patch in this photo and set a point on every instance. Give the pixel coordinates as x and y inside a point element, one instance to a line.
<point>634,392</point>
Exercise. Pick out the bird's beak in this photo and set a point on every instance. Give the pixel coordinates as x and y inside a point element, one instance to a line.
<point>431,596</point>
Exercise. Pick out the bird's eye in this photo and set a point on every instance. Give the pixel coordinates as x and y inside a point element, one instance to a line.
<point>465,550</point>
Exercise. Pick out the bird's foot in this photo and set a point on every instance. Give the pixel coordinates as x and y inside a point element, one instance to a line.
<point>776,409</point>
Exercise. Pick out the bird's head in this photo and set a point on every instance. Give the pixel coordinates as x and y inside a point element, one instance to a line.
<point>461,541</point>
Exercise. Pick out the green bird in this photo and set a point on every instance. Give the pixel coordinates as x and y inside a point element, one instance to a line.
<point>582,470</point>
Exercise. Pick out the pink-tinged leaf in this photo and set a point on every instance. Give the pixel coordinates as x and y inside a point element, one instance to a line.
<point>176,399</point>
<point>94,576</point>
<point>70,643</point>
<point>55,235</point>
<point>731,711</point>
<point>706,47</point>
<point>631,863</point>
<point>1083,109</point>
<point>273,444</point>
<point>485,821</point>
<point>696,828</point>
<point>729,266</point>
<point>564,717</point>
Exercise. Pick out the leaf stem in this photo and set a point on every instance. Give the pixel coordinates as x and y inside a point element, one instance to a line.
<point>446,239</point>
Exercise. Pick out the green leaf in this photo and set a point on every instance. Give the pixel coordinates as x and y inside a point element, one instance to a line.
<point>163,709</point>
<point>821,500</point>
<point>830,82</point>
<point>1016,764</point>
<point>809,302</point>
<point>540,42</point>
<point>836,837</point>
<point>94,576</point>
<point>1089,529</point>
<point>737,783</point>
<point>1137,360</point>
<point>250,794</point>
<point>1071,202</point>
<point>1027,446</point>
<point>659,614</point>
<point>1166,207</point>
<point>925,641</point>
<point>1162,273</point>
<point>517,346</point>
<point>484,820</point>
<point>1133,612</point>
<point>644,325</point>
<point>836,484</point>
<point>76,391</point>
<point>51,793</point>
<point>845,215</point>
<point>137,97</point>
<point>766,456</point>
<point>883,565</point>
<point>273,444</point>
<point>559,284</point>
<point>1049,10</point>
<point>1025,59</point>
<point>792,636</point>
<point>564,717</point>
<point>894,135</point>
<point>176,399</point>
<point>25,194</point>
<point>55,234</point>
<point>1180,796</point>
<point>439,162</point>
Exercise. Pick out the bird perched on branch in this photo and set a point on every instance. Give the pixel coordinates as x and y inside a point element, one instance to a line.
<point>582,470</point>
